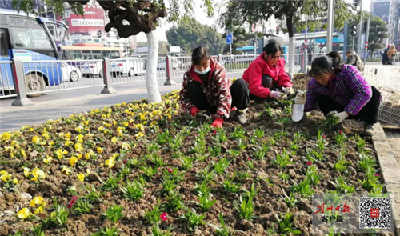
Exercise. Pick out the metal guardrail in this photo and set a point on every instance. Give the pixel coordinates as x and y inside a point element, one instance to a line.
<point>6,80</point>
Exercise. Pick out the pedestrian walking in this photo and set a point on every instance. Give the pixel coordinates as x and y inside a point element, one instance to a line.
<point>385,56</point>
<point>391,54</point>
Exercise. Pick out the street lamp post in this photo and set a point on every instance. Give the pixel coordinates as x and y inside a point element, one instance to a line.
<point>329,32</point>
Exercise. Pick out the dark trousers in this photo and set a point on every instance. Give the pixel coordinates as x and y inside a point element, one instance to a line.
<point>368,114</point>
<point>267,82</point>
<point>239,92</point>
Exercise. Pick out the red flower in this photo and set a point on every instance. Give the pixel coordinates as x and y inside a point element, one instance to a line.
<point>309,163</point>
<point>340,132</point>
<point>215,132</point>
<point>170,170</point>
<point>248,159</point>
<point>125,161</point>
<point>164,216</point>
<point>324,136</point>
<point>377,175</point>
<point>73,200</point>
<point>196,134</point>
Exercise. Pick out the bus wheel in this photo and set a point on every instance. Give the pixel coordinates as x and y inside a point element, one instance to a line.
<point>34,83</point>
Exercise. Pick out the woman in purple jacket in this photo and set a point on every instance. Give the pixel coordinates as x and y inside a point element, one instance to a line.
<point>342,91</point>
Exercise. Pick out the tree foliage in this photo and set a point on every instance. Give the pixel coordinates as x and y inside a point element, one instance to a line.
<point>377,32</point>
<point>129,17</point>
<point>290,14</point>
<point>189,33</point>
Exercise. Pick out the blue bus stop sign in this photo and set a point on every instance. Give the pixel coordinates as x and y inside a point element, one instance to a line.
<point>229,39</point>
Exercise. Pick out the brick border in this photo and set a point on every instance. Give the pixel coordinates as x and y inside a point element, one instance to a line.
<point>390,171</point>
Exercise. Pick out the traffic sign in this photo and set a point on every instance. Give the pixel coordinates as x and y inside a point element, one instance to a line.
<point>99,34</point>
<point>229,38</point>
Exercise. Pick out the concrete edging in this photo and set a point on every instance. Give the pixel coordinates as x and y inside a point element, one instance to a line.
<point>390,171</point>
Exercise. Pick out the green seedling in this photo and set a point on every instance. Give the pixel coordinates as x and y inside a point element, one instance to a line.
<point>242,145</point>
<point>206,174</point>
<point>82,206</point>
<point>342,187</point>
<point>282,160</point>
<point>187,163</point>
<point>230,186</point>
<point>112,182</point>
<point>245,208</point>
<point>303,188</point>
<point>202,189</point>
<point>153,216</point>
<point>204,202</point>
<point>220,167</point>
<point>107,232</point>
<point>312,176</point>
<point>285,224</point>
<point>58,217</point>
<point>193,219</point>
<point>157,160</point>
<point>148,171</point>
<point>215,151</point>
<point>238,133</point>
<point>168,184</point>
<point>340,165</point>
<point>221,136</point>
<point>251,194</point>
<point>114,213</point>
<point>174,202</point>
<point>223,230</point>
<point>365,163</point>
<point>133,190</point>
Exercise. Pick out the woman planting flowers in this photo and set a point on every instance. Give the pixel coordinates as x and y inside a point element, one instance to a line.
<point>342,92</point>
<point>205,88</point>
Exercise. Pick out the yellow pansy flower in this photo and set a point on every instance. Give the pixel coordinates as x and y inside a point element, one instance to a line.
<point>99,150</point>
<point>36,201</point>
<point>88,171</point>
<point>114,140</point>
<point>103,116</point>
<point>24,213</point>
<point>5,177</point>
<point>68,135</point>
<point>23,153</point>
<point>110,162</point>
<point>47,136</point>
<point>27,171</point>
<point>100,128</point>
<point>126,146</point>
<point>66,170</point>
<point>15,181</point>
<point>80,156</point>
<point>39,210</point>
<point>81,177</point>
<point>48,159</point>
<point>125,123</point>
<point>78,147</point>
<point>31,129</point>
<point>139,126</point>
<point>5,136</point>
<point>35,139</point>
<point>144,123</point>
<point>153,123</point>
<point>168,115</point>
<point>115,123</point>
<point>67,143</point>
<point>115,156</point>
<point>51,143</point>
<point>123,104</point>
<point>73,160</point>
<point>80,136</point>
<point>139,135</point>
<point>3,172</point>
<point>79,128</point>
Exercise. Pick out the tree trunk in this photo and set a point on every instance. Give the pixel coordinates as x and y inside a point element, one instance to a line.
<point>289,25</point>
<point>151,68</point>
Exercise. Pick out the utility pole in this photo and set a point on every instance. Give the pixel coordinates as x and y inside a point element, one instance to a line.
<point>346,25</point>
<point>359,46</point>
<point>366,40</point>
<point>329,32</point>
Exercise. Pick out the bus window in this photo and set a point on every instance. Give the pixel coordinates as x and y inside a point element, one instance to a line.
<point>35,38</point>
<point>115,54</point>
<point>22,39</point>
<point>40,39</point>
<point>3,43</point>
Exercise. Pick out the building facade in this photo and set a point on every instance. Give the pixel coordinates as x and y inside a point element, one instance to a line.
<point>388,10</point>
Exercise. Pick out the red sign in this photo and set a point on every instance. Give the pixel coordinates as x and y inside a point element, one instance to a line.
<point>374,213</point>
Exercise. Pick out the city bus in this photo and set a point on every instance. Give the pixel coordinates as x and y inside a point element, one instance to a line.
<point>27,38</point>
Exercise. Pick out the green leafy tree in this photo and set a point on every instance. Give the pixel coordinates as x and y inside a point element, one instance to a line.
<point>377,32</point>
<point>289,13</point>
<point>142,16</point>
<point>189,33</point>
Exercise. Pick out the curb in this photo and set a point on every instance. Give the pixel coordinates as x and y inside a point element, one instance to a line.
<point>390,170</point>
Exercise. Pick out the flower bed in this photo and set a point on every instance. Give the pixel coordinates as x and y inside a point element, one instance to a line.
<point>139,169</point>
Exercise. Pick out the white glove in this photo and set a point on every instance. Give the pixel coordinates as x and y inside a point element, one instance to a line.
<point>300,98</point>
<point>277,95</point>
<point>341,116</point>
<point>288,90</point>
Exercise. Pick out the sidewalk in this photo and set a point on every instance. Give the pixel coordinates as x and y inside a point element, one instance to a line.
<point>13,118</point>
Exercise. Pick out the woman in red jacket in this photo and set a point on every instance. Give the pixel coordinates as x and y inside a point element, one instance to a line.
<point>267,74</point>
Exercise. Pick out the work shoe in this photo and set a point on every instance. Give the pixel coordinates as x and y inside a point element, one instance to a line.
<point>201,113</point>
<point>241,117</point>
<point>369,130</point>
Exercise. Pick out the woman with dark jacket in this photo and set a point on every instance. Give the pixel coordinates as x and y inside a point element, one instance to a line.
<point>341,90</point>
<point>267,74</point>
<point>205,89</point>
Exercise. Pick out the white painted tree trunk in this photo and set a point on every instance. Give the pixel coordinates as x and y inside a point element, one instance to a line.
<point>291,56</point>
<point>151,68</point>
